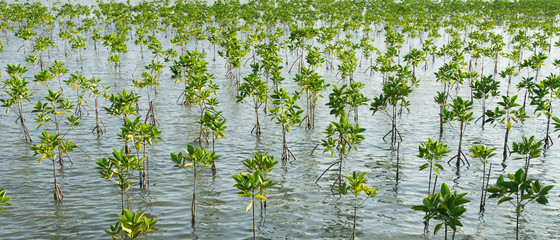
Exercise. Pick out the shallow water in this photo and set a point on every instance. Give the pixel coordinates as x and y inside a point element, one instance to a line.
<point>297,207</point>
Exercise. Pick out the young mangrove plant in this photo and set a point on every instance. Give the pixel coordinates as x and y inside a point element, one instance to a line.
<point>196,159</point>
<point>347,98</point>
<point>18,92</point>
<point>446,207</point>
<point>260,162</point>
<point>342,137</point>
<point>432,152</point>
<point>254,88</point>
<point>4,199</point>
<point>509,114</point>
<point>50,144</point>
<point>544,94</point>
<point>121,166</point>
<point>52,112</point>
<point>528,149</point>
<point>312,84</point>
<point>254,186</point>
<point>460,111</point>
<point>483,153</point>
<point>92,87</point>
<point>519,191</point>
<point>356,186</point>
<point>122,104</point>
<point>286,113</point>
<point>483,89</point>
<point>132,226</point>
<point>391,101</point>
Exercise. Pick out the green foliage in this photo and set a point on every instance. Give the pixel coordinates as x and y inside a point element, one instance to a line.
<point>132,226</point>
<point>4,199</point>
<point>519,191</point>
<point>445,207</point>
<point>195,158</point>
<point>122,103</point>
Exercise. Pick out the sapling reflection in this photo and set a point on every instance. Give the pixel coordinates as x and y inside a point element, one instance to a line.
<point>196,159</point>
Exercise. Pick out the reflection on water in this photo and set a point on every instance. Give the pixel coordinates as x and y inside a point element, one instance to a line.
<point>297,207</point>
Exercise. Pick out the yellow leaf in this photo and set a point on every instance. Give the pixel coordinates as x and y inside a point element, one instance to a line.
<point>58,112</point>
<point>217,139</point>
<point>41,158</point>
<point>260,197</point>
<point>7,110</point>
<point>321,66</point>
<point>188,165</point>
<point>249,206</point>
<point>75,86</point>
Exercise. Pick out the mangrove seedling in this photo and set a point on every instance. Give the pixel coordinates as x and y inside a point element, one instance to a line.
<point>445,207</point>
<point>196,159</point>
<point>356,186</point>
<point>121,166</point>
<point>53,111</point>
<point>507,115</point>
<point>286,113</point>
<point>483,89</point>
<point>391,101</point>
<point>432,152</point>
<point>132,226</point>
<point>254,88</point>
<point>460,111</point>
<point>528,149</point>
<point>519,191</point>
<point>482,152</point>
<point>253,185</point>
<point>50,143</point>
<point>4,199</point>
<point>18,92</point>
<point>544,94</point>
<point>342,137</point>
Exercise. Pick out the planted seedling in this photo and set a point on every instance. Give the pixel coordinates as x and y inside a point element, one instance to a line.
<point>432,152</point>
<point>121,166</point>
<point>196,159</point>
<point>132,226</point>
<point>509,114</point>
<point>4,199</point>
<point>356,186</point>
<point>286,113</point>
<point>18,92</point>
<point>446,207</point>
<point>519,191</point>
<point>253,185</point>
<point>461,112</point>
<point>528,149</point>
<point>483,153</point>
